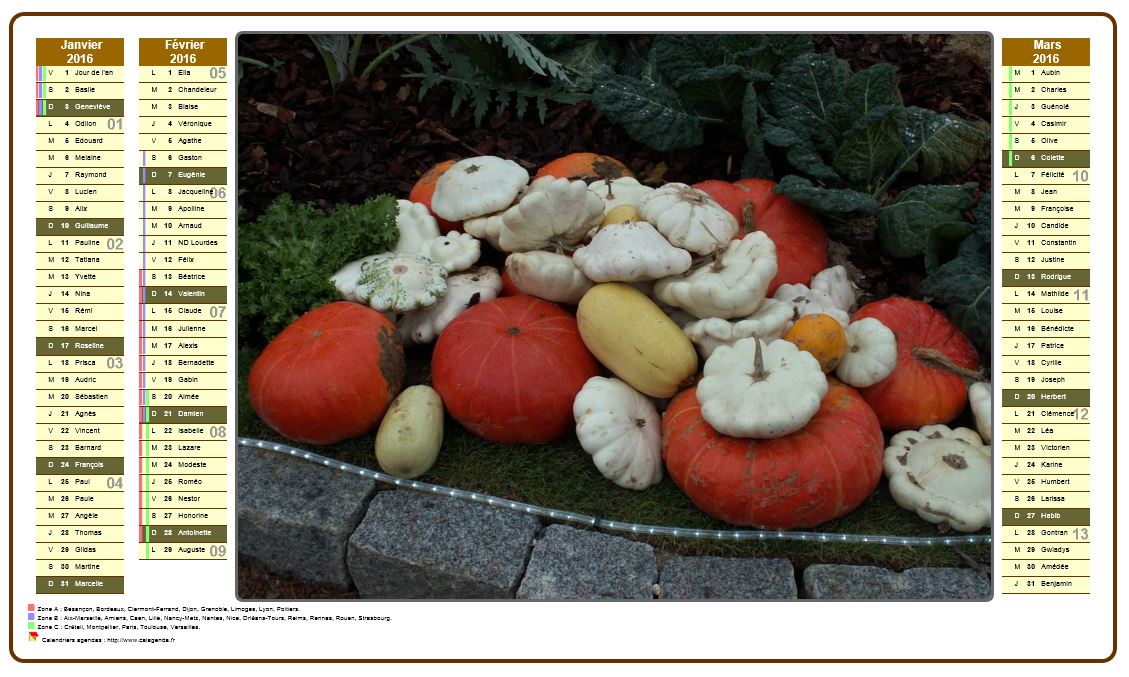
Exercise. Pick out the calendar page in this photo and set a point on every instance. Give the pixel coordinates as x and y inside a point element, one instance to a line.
<point>367,333</point>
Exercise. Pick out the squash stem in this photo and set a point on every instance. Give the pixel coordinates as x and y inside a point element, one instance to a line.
<point>758,363</point>
<point>747,218</point>
<point>931,357</point>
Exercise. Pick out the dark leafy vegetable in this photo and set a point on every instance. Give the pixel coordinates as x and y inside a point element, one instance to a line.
<point>843,131</point>
<point>287,256</point>
<point>920,216</point>
<point>964,283</point>
<point>648,111</point>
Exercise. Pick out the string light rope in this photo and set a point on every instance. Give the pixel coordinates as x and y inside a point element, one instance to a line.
<point>613,525</point>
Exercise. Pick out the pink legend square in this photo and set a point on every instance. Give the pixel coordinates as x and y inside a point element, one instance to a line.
<point>31,607</point>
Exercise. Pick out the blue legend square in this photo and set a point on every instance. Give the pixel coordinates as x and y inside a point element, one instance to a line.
<point>31,617</point>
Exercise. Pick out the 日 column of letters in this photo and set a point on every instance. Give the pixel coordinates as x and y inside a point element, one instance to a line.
<point>183,287</point>
<point>1045,440</point>
<point>79,316</point>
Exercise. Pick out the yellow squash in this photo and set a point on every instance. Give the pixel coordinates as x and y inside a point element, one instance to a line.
<point>621,214</point>
<point>630,335</point>
<point>411,433</point>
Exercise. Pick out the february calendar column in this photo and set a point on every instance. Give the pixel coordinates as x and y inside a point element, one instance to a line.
<point>1045,436</point>
<point>183,314</point>
<point>80,316</point>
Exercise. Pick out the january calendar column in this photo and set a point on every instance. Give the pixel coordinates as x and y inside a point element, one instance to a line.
<point>80,316</point>
<point>183,193</point>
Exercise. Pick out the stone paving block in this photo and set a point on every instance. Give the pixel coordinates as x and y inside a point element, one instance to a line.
<point>295,517</point>
<point>415,545</point>
<point>726,578</point>
<point>837,581</point>
<point>569,563</point>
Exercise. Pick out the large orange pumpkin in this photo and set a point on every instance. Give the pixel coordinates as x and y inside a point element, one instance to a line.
<point>330,375</point>
<point>509,369</point>
<point>801,243</point>
<point>917,393</point>
<point>820,472</point>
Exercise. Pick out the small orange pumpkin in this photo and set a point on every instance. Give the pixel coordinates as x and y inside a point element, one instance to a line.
<point>822,336</point>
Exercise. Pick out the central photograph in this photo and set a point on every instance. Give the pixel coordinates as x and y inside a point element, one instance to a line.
<point>614,317</point>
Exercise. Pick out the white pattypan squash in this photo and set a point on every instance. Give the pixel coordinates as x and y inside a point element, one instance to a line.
<point>762,391</point>
<point>549,276</point>
<point>454,251</point>
<point>768,322</point>
<point>626,252</point>
<point>942,474</point>
<point>625,190</point>
<point>980,400</point>
<point>477,186</point>
<point>553,212</point>
<point>485,228</point>
<point>392,282</point>
<point>834,283</point>
<point>810,302</point>
<point>416,226</point>
<point>872,353</point>
<point>733,285</point>
<point>619,427</point>
<point>688,218</point>
<point>464,290</point>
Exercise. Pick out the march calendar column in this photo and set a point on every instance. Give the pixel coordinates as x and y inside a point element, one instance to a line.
<point>183,314</point>
<point>1045,440</point>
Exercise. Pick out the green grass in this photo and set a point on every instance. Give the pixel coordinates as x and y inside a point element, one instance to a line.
<point>562,476</point>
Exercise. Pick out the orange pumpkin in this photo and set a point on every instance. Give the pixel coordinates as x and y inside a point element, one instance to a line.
<point>330,375</point>
<point>586,166</point>
<point>918,393</point>
<point>424,189</point>
<point>820,472</point>
<point>822,336</point>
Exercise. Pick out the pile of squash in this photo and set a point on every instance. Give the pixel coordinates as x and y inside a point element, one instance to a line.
<point>713,304</point>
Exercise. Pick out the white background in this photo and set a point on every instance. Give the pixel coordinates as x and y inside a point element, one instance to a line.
<point>1038,626</point>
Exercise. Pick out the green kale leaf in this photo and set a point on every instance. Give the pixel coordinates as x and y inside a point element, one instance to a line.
<point>287,255</point>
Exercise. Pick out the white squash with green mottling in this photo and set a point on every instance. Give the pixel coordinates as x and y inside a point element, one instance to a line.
<point>392,282</point>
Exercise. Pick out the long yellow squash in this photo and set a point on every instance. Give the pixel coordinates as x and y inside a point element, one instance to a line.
<point>634,338</point>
